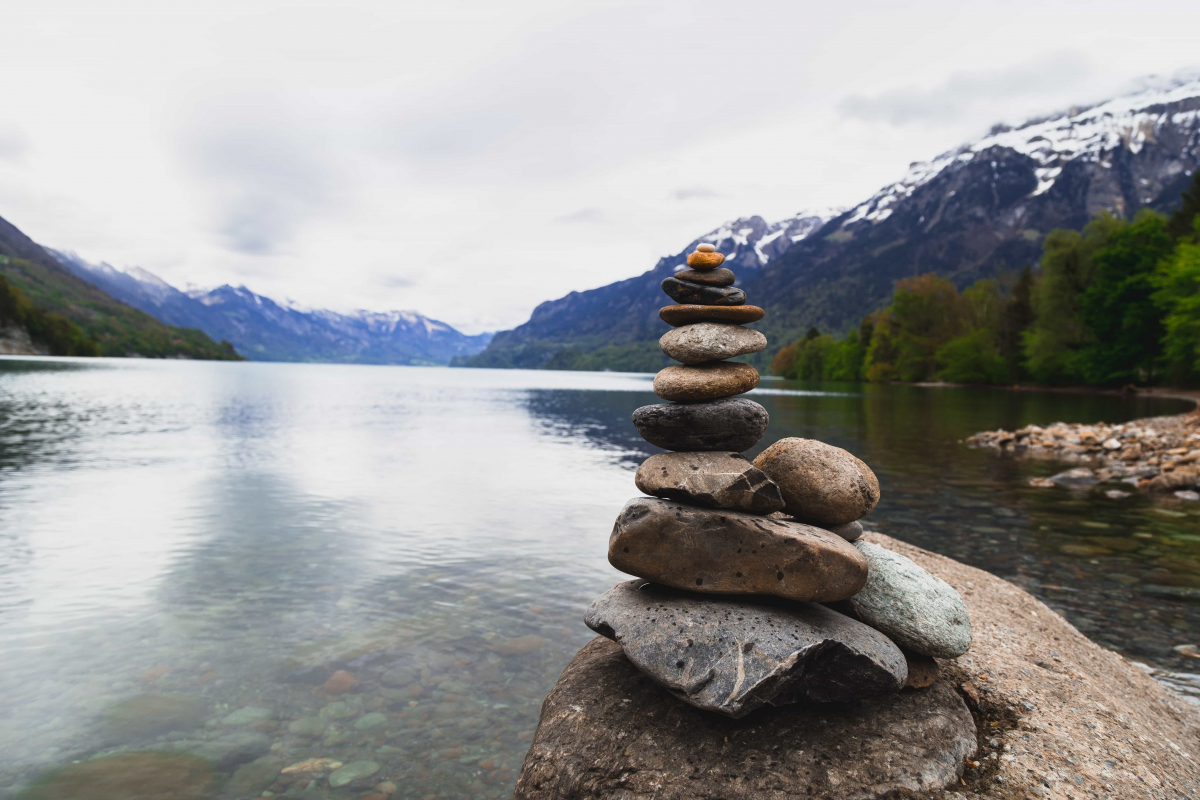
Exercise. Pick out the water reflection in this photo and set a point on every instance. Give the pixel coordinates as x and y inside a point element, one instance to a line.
<point>191,553</point>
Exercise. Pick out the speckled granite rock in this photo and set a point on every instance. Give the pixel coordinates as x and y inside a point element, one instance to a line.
<point>732,423</point>
<point>821,483</point>
<point>710,341</point>
<point>716,480</point>
<point>608,731</point>
<point>689,384</point>
<point>917,610</point>
<point>734,656</point>
<point>705,550</point>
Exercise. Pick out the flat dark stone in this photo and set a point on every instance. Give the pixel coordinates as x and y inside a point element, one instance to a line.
<point>708,277</point>
<point>608,731</point>
<point>697,294</point>
<point>734,655</point>
<point>687,313</point>
<point>732,423</point>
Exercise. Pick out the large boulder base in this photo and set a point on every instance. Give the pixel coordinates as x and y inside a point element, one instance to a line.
<point>821,484</point>
<point>730,552</point>
<point>735,655</point>
<point>716,480</point>
<point>733,424</point>
<point>608,731</point>
<point>1072,720</point>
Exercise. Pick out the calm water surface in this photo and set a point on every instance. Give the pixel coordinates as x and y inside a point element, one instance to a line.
<point>188,551</point>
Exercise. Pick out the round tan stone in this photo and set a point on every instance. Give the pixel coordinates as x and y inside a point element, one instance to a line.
<point>821,484</point>
<point>689,384</point>
<point>700,260</point>
<point>710,341</point>
<point>687,314</point>
<point>706,248</point>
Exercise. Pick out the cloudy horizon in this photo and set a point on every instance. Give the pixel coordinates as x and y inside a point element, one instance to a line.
<point>469,161</point>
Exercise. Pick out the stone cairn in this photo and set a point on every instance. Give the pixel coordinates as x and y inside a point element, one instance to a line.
<point>754,588</point>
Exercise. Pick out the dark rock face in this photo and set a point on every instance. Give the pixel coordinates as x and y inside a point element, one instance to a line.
<point>716,480</point>
<point>729,552</point>
<point>736,655</point>
<point>608,731</point>
<point>733,424</point>
<point>688,313</point>
<point>711,277</point>
<point>686,292</point>
<point>820,483</point>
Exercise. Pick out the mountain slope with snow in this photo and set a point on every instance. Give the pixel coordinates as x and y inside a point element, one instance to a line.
<point>264,330</point>
<point>617,326</point>
<point>982,208</point>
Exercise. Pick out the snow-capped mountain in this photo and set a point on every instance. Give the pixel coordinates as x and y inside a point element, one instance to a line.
<point>979,209</point>
<point>624,315</point>
<point>262,329</point>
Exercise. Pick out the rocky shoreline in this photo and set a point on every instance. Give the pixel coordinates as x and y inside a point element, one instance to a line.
<point>1155,454</point>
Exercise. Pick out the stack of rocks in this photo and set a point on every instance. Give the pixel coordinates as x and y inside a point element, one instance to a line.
<point>755,589</point>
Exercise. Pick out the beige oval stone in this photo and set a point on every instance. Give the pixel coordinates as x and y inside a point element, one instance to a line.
<point>689,384</point>
<point>821,484</point>
<point>706,248</point>
<point>710,341</point>
<point>705,260</point>
<point>729,552</point>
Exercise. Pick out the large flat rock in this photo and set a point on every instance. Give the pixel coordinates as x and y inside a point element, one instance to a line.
<point>608,731</point>
<point>730,552</point>
<point>735,655</point>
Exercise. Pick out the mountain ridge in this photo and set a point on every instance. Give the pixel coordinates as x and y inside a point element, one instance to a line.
<point>971,212</point>
<point>263,329</point>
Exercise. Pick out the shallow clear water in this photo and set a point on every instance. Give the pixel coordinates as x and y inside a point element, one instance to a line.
<point>180,541</point>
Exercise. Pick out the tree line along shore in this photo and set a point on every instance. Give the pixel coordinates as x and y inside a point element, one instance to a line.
<point>1117,303</point>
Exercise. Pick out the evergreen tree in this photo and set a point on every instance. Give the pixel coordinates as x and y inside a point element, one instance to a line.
<point>1016,316</point>
<point>1183,221</point>
<point>1118,306</point>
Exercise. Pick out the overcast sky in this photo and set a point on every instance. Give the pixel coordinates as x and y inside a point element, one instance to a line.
<point>471,159</point>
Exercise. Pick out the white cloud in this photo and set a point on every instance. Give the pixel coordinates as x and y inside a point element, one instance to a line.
<point>470,159</point>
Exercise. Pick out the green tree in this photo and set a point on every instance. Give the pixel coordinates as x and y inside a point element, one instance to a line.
<point>844,361</point>
<point>973,358</point>
<point>1016,315</point>
<point>1183,221</point>
<point>1178,295</point>
<point>926,312</point>
<point>1117,304</point>
<point>57,334</point>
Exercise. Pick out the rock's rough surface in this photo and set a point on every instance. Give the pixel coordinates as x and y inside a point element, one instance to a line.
<point>1071,720</point>
<point>687,314</point>
<point>708,260</point>
<point>689,384</point>
<point>711,277</point>
<point>730,552</point>
<point>734,657</point>
<point>694,293</point>
<point>608,731</point>
<point>922,671</point>
<point>733,424</point>
<point>820,483</point>
<point>716,480</point>
<point>710,341</point>
<point>917,610</point>
<point>850,531</point>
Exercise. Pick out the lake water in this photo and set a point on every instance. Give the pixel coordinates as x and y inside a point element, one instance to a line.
<point>188,551</point>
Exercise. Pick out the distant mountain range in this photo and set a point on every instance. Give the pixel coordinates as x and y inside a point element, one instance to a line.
<point>262,329</point>
<point>969,213</point>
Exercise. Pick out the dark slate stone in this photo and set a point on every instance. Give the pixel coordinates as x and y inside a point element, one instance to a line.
<point>707,277</point>
<point>731,423</point>
<point>696,294</point>
<point>736,655</point>
<point>607,731</point>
